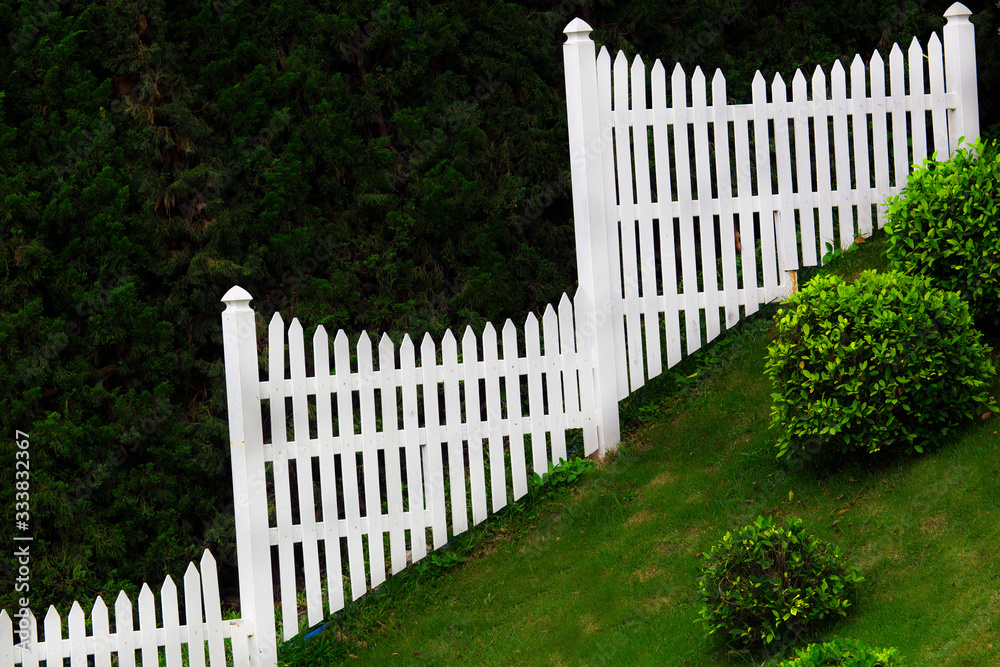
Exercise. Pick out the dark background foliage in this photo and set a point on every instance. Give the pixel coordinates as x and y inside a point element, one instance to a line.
<point>380,166</point>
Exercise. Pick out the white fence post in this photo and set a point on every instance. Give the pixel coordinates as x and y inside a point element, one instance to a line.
<point>595,238</point>
<point>960,75</point>
<point>253,548</point>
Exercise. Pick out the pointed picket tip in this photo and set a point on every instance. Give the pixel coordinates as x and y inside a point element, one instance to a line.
<point>320,335</point>
<point>427,339</point>
<point>4,618</point>
<point>207,560</point>
<point>877,58</point>
<point>295,326</point>
<point>799,78</point>
<point>99,605</point>
<point>549,311</point>
<point>698,73</point>
<point>168,585</point>
<point>819,76</point>
<point>237,294</point>
<point>565,302</point>
<point>838,67</point>
<point>531,321</point>
<point>122,600</point>
<point>276,319</point>
<point>604,53</point>
<point>857,62</point>
<point>51,616</point>
<point>469,337</point>
<point>489,330</point>
<point>758,79</point>
<point>407,342</point>
<point>915,45</point>
<point>678,70</point>
<point>778,80</point>
<point>934,41</point>
<point>895,51</point>
<point>509,329</point>
<point>577,26</point>
<point>191,570</point>
<point>340,338</point>
<point>448,337</point>
<point>718,78</point>
<point>637,64</point>
<point>621,60</point>
<point>385,343</point>
<point>658,67</point>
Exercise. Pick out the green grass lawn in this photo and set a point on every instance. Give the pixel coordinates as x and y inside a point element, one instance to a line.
<point>604,573</point>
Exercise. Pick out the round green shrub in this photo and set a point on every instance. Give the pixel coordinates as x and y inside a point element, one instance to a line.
<point>884,362</point>
<point>771,580</point>
<point>841,653</point>
<point>945,225</point>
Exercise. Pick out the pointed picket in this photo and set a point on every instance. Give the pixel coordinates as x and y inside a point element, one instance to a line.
<point>801,110</point>
<point>330,533</point>
<point>917,103</point>
<point>412,450</point>
<point>491,371</point>
<point>859,127</point>
<point>53,636</point>
<point>536,412</point>
<point>451,372</point>
<point>901,163</point>
<point>77,636</point>
<point>744,189</point>
<point>627,217</point>
<point>724,185</point>
<point>551,366</point>
<point>846,197</point>
<point>6,639</point>
<point>703,207</point>
<point>434,476</point>
<point>880,137</point>
<point>644,211</point>
<point>29,657</point>
<point>372,471</point>
<point>392,440</point>
<point>344,382</point>
<point>824,158</point>
<point>474,424</point>
<point>570,361</point>
<point>147,627</point>
<point>124,631</point>
<point>765,193</point>
<point>935,68</point>
<point>302,453</point>
<point>668,259</point>
<point>515,415</point>
<point>101,634</point>
<point>786,245</point>
<point>214,633</point>
<point>689,268</point>
<point>586,373</point>
<point>193,617</point>
<point>171,622</point>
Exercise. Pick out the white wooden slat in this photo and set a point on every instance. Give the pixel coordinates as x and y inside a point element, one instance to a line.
<point>6,639</point>
<point>536,412</point>
<point>491,368</point>
<point>880,137</point>
<point>192,617</point>
<point>689,269</point>
<point>77,636</point>
<point>916,103</point>
<point>328,471</point>
<point>171,623</point>
<point>213,630</point>
<point>102,634</point>
<point>282,488</point>
<point>369,453</point>
<point>53,637</point>
<point>762,149</point>
<point>617,306</point>
<point>821,126</point>
<point>587,374</point>
<point>556,422</point>
<point>748,237</point>
<point>570,360</point>
<point>344,381</point>
<point>147,627</point>
<point>515,415</point>
<point>414,473</point>
<point>29,658</point>
<point>801,111</point>
<point>901,166</point>
<point>453,430</point>
<point>845,197</point>
<point>392,440</point>
<point>787,247</point>
<point>628,217</point>
<point>304,474</point>
<point>644,210</point>
<point>724,184</point>
<point>434,475</point>
<point>239,642</point>
<point>935,62</point>
<point>859,126</point>
<point>668,265</point>
<point>124,631</point>
<point>474,423</point>
<point>703,207</point>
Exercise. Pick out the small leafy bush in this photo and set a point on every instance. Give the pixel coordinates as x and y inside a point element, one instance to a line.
<point>946,225</point>
<point>770,581</point>
<point>565,473</point>
<point>841,653</point>
<point>885,362</point>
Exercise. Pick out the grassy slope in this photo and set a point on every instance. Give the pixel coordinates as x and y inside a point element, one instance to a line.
<point>604,575</point>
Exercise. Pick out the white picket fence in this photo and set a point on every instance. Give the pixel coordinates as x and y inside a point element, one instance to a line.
<point>348,467</point>
<point>182,642</point>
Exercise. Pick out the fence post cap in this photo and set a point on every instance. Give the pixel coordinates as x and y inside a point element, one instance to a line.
<point>578,27</point>
<point>236,294</point>
<point>958,12</point>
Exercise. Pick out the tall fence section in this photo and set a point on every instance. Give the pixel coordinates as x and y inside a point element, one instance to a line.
<point>353,459</point>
